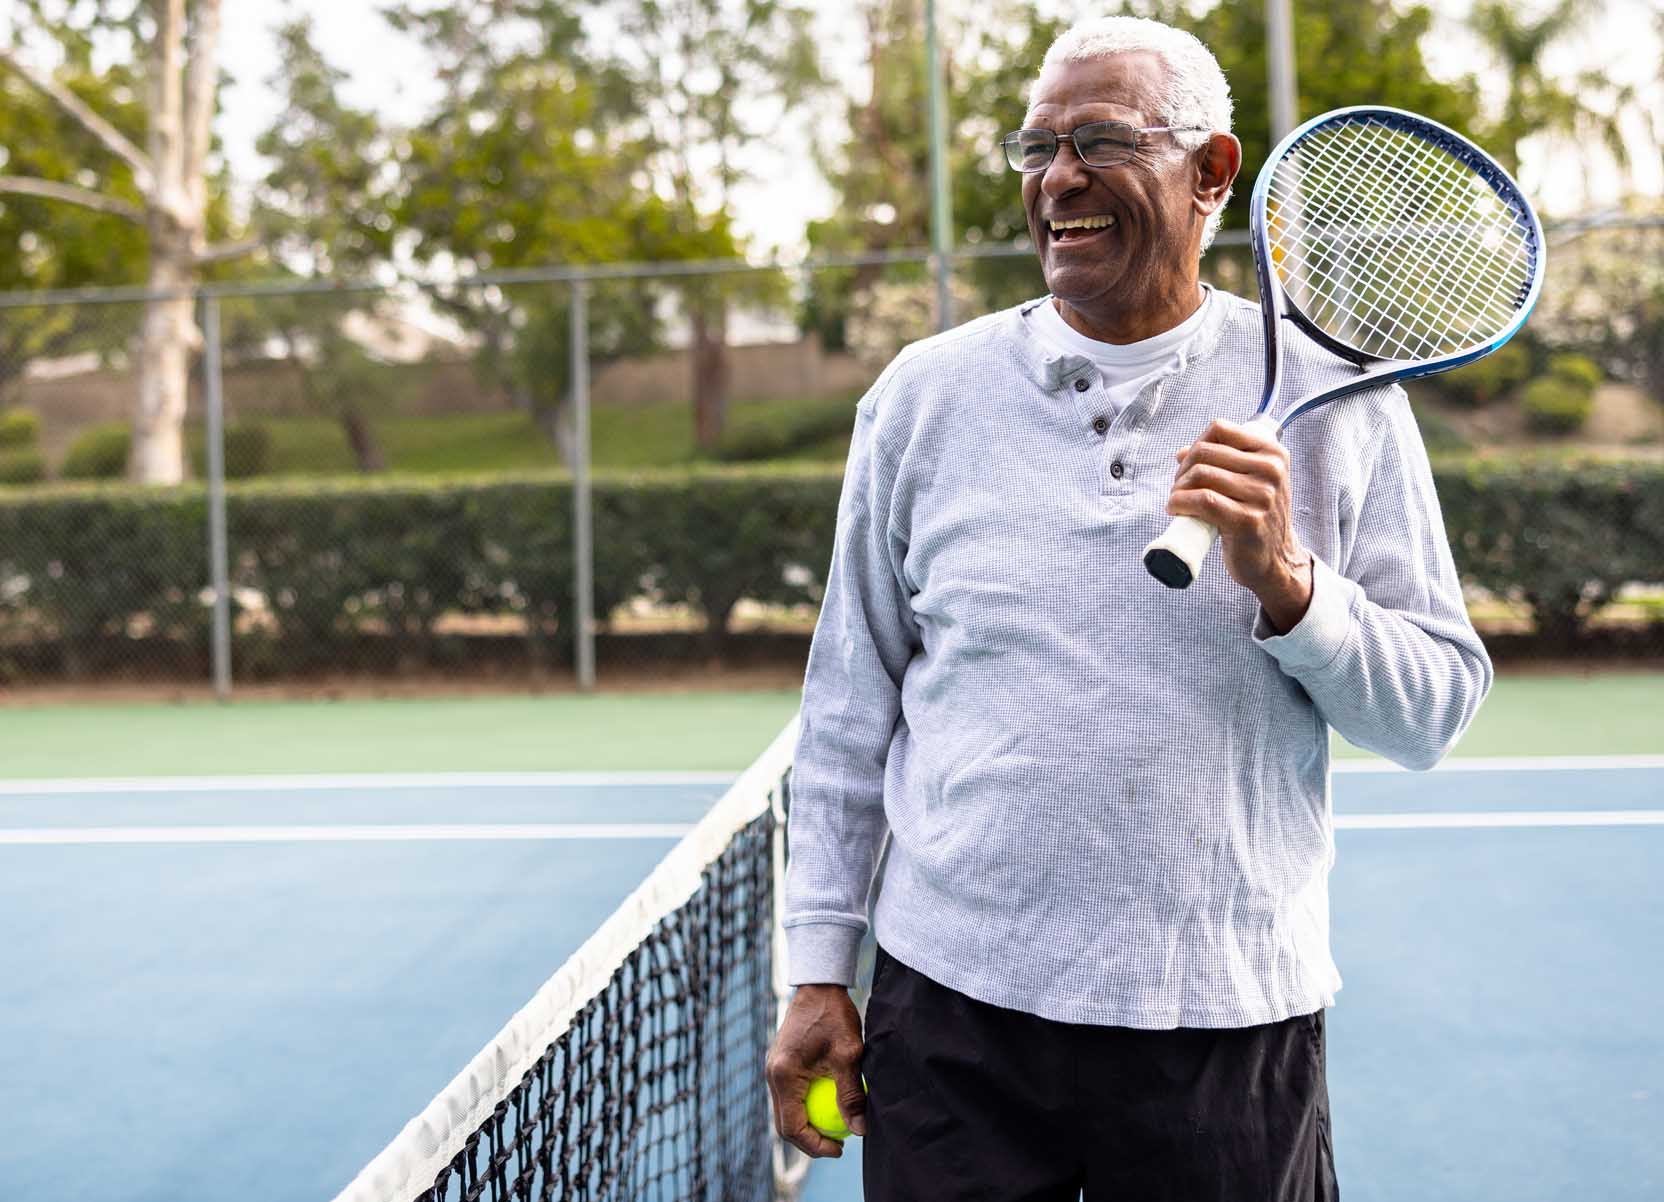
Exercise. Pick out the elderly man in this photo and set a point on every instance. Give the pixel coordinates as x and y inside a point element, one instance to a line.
<point>1103,917</point>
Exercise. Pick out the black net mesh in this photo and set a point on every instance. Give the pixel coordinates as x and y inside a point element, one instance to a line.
<point>656,1092</point>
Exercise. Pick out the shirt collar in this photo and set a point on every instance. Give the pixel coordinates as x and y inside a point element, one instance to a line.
<point>1053,370</point>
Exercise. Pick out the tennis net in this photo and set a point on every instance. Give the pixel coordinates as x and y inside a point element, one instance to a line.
<point>636,1072</point>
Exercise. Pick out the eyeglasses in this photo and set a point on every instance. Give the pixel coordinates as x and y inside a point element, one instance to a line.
<point>1098,143</point>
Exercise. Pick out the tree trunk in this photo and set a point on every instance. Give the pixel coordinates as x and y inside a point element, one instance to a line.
<point>180,109</point>
<point>365,449</point>
<point>169,335</point>
<point>710,373</point>
<point>555,421</point>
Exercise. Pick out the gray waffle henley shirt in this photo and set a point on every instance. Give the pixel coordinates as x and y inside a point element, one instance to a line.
<point>1106,802</point>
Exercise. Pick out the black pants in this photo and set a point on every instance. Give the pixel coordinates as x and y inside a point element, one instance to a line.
<point>971,1101</point>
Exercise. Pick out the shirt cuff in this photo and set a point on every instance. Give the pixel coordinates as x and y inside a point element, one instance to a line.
<point>822,953</point>
<point>1317,638</point>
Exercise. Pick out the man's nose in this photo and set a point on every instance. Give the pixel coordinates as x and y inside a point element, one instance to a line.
<point>1066,172</point>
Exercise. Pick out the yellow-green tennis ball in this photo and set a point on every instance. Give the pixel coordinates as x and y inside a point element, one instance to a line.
<point>822,1103</point>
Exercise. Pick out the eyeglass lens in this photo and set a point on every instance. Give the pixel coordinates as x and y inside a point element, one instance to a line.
<point>1099,144</point>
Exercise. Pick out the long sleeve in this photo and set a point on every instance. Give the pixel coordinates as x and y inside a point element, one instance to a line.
<point>863,641</point>
<point>1386,650</point>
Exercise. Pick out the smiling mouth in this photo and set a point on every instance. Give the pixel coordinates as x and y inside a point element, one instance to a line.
<point>1079,229</point>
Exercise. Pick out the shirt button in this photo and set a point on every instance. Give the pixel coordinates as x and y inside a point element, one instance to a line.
<point>1082,384</point>
<point>1116,470</point>
<point>1099,424</point>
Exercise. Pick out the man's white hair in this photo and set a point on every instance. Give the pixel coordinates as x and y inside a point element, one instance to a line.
<point>1194,92</point>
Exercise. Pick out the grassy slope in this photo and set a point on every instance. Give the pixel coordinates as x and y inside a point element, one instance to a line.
<point>633,436</point>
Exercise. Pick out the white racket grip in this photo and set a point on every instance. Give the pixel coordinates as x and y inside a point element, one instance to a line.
<point>1176,557</point>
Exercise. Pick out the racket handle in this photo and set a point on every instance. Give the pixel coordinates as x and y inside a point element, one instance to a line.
<point>1176,557</point>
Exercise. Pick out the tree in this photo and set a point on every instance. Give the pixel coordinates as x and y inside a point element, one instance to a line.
<point>524,163</point>
<point>1536,102</point>
<point>180,45</point>
<point>321,209</point>
<point>713,80</point>
<point>52,245</point>
<point>1348,51</point>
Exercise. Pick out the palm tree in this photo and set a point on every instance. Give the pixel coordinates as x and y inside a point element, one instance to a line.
<point>1589,109</point>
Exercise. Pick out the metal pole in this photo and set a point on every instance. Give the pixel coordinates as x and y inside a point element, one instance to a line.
<point>941,211</point>
<point>1279,63</point>
<point>583,534</point>
<point>218,552</point>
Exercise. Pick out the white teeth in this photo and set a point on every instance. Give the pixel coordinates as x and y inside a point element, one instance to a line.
<point>1083,223</point>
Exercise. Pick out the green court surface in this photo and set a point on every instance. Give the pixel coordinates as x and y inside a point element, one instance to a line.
<point>1573,714</point>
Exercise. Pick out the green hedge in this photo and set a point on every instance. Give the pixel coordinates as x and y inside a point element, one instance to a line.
<point>1555,405</point>
<point>248,451</point>
<point>1484,381</point>
<point>19,428</point>
<point>1560,533</point>
<point>98,453</point>
<point>353,571</point>
<point>343,563</point>
<point>23,465</point>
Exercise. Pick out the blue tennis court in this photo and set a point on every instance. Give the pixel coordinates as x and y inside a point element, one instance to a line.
<point>245,987</point>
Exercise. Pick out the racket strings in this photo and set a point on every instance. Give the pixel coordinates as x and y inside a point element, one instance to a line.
<point>1466,268</point>
<point>1366,300</point>
<point>1469,265</point>
<point>1393,244</point>
<point>1466,282</point>
<point>1360,304</point>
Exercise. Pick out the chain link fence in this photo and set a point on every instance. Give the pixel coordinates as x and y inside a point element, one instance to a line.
<point>575,474</point>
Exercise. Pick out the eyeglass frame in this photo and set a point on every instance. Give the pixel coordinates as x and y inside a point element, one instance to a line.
<point>1058,139</point>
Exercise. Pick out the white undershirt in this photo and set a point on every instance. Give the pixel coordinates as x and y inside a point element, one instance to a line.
<point>1123,367</point>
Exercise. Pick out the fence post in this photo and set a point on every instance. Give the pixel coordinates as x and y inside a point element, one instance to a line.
<point>218,552</point>
<point>941,210</point>
<point>583,533</point>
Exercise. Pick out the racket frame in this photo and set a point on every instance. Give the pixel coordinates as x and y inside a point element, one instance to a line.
<point>1175,557</point>
<point>1274,304</point>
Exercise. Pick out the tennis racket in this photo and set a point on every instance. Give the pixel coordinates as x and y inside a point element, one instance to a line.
<point>1395,243</point>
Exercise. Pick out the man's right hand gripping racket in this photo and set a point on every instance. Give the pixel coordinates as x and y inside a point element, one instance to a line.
<point>1395,243</point>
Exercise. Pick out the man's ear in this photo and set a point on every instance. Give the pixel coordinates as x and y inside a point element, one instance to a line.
<point>1216,166</point>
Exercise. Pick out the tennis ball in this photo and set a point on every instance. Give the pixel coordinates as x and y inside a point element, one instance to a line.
<point>822,1103</point>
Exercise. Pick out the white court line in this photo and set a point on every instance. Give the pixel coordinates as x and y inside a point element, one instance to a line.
<point>436,833</point>
<point>532,832</point>
<point>1520,763</point>
<point>367,781</point>
<point>306,782</point>
<point>1481,820</point>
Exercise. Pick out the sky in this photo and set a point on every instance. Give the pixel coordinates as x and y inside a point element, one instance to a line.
<point>390,74</point>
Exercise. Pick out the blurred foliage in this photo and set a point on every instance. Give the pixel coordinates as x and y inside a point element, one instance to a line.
<point>98,453</point>
<point>420,550</point>
<point>1579,371</point>
<point>785,430</point>
<point>1522,42</point>
<point>1349,52</point>
<point>24,465</point>
<point>1604,298</point>
<point>1555,405</point>
<point>1562,400</point>
<point>48,244</point>
<point>1560,534</point>
<point>19,428</point>
<point>357,574</point>
<point>248,451</point>
<point>1496,375</point>
<point>1438,434</point>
